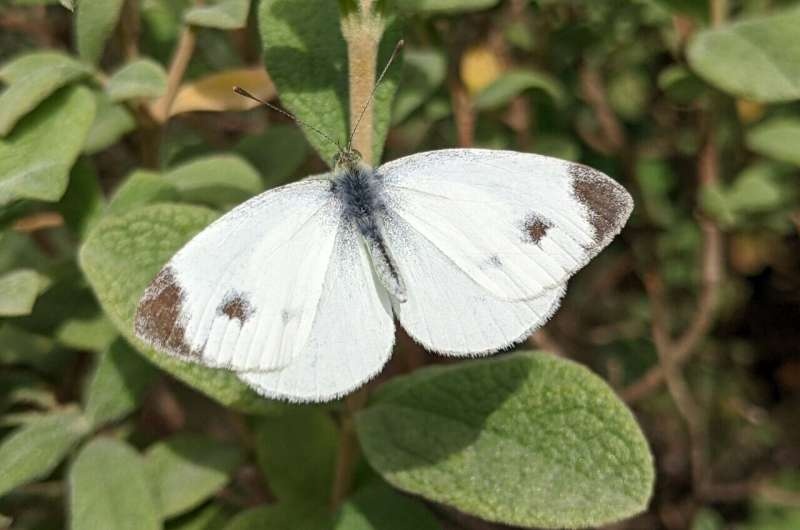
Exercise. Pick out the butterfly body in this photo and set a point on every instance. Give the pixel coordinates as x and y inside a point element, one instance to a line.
<point>470,249</point>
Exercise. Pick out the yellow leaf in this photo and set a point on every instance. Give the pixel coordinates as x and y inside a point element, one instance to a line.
<point>215,92</point>
<point>479,68</point>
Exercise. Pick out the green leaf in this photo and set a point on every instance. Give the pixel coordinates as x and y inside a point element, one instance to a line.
<point>757,58</point>
<point>139,79</point>
<point>32,78</point>
<point>444,6</point>
<point>306,56</point>
<point>187,469</point>
<point>18,346</point>
<point>297,453</point>
<point>123,254</point>
<point>108,488</point>
<point>216,180</point>
<point>220,14</point>
<point>210,517</point>
<point>513,83</point>
<point>378,507</point>
<point>119,380</point>
<point>36,158</point>
<point>83,202</point>
<point>94,22</point>
<point>139,189</point>
<point>92,332</point>
<point>34,450</point>
<point>777,138</point>
<point>424,72</point>
<point>277,153</point>
<point>294,516</point>
<point>524,439</point>
<point>19,290</point>
<point>111,123</point>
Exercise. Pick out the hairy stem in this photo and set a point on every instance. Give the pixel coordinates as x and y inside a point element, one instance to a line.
<point>177,68</point>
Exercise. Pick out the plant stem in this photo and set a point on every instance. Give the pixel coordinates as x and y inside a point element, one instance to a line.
<point>362,30</point>
<point>348,448</point>
<point>177,68</point>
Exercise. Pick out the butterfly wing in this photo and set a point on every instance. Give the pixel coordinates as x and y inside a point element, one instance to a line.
<point>244,292</point>
<point>518,224</point>
<point>447,311</point>
<point>351,338</point>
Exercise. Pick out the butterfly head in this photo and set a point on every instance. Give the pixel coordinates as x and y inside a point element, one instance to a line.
<point>346,159</point>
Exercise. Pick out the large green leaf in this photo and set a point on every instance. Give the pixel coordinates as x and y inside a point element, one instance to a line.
<point>297,453</point>
<point>778,138</point>
<point>94,22</point>
<point>139,189</point>
<point>757,58</point>
<point>276,153</point>
<point>34,450</point>
<point>36,158</point>
<point>139,79</point>
<point>112,122</point>
<point>32,78</point>
<point>221,14</point>
<point>210,517</point>
<point>294,516</point>
<point>19,290</point>
<point>525,439</point>
<point>122,254</point>
<point>118,382</point>
<point>217,180</point>
<point>187,469</point>
<point>108,488</point>
<point>306,56</point>
<point>378,507</point>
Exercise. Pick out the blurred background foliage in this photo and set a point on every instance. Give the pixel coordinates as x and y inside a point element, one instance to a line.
<point>120,137</point>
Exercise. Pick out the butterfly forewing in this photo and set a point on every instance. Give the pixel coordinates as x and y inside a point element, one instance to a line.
<point>517,224</point>
<point>244,293</point>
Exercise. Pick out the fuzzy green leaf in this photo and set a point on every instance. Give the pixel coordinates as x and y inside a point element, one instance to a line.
<point>34,450</point>
<point>297,453</point>
<point>139,189</point>
<point>57,128</point>
<point>210,517</point>
<point>108,488</point>
<point>83,201</point>
<point>378,507</point>
<point>220,14</point>
<point>139,79</point>
<point>216,180</point>
<point>32,78</point>
<point>118,382</point>
<point>778,138</point>
<point>511,84</point>
<point>19,290</point>
<point>112,122</point>
<point>294,516</point>
<point>757,58</point>
<point>123,254</point>
<point>94,23</point>
<point>525,439</point>
<point>306,56</point>
<point>187,469</point>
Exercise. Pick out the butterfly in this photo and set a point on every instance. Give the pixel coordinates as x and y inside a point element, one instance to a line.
<point>297,289</point>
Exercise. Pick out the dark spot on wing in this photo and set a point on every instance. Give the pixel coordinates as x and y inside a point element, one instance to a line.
<point>605,202</point>
<point>236,307</point>
<point>158,315</point>
<point>536,228</point>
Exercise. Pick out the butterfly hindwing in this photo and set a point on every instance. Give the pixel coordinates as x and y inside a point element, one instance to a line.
<point>352,335</point>
<point>518,224</point>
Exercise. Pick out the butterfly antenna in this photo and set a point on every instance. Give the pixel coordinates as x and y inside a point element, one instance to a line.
<point>242,92</point>
<point>397,48</point>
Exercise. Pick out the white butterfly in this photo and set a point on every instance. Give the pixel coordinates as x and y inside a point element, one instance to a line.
<point>297,289</point>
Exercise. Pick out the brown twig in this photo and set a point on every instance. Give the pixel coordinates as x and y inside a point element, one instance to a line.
<point>611,137</point>
<point>463,113</point>
<point>177,68</point>
<point>348,447</point>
